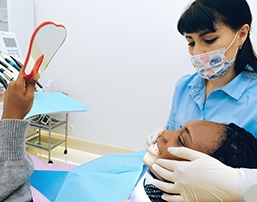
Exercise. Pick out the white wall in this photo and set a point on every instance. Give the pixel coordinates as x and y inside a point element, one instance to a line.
<point>21,21</point>
<point>122,58</point>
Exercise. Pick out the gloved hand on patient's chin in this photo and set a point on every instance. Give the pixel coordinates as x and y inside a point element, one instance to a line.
<point>201,178</point>
<point>151,139</point>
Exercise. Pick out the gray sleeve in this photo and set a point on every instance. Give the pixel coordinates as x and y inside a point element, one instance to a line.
<point>15,164</point>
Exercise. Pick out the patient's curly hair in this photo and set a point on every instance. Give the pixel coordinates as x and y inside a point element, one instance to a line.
<point>238,149</point>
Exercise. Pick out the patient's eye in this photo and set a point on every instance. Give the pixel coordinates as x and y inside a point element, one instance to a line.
<point>181,141</point>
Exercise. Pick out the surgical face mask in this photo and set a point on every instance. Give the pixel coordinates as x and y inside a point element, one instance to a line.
<point>213,64</point>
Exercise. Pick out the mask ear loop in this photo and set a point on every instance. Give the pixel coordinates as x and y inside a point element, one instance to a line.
<point>232,41</point>
<point>233,59</point>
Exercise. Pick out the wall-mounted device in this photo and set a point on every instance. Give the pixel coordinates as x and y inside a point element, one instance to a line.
<point>9,45</point>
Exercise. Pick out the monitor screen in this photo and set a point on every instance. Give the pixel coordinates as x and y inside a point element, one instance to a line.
<point>10,42</point>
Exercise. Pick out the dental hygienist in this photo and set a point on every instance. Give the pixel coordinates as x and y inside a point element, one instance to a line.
<point>15,164</point>
<point>224,90</point>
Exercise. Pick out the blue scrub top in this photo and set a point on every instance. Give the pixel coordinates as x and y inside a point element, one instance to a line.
<point>236,102</point>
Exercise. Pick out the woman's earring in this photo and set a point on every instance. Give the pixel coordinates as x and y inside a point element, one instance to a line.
<point>240,47</point>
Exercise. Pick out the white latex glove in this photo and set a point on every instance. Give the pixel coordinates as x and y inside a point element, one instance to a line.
<point>202,178</point>
<point>151,139</point>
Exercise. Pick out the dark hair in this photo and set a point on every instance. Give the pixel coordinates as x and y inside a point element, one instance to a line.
<point>238,149</point>
<point>204,15</point>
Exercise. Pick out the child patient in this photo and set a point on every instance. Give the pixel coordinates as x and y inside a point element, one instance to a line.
<point>230,144</point>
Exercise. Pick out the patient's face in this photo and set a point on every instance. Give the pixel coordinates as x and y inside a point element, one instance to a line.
<point>203,136</point>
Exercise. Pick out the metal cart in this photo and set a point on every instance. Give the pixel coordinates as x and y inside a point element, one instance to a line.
<point>45,122</point>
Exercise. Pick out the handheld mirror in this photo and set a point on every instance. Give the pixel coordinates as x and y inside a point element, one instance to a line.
<point>45,41</point>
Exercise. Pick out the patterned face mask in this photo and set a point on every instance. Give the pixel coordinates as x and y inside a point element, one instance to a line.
<point>213,64</point>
